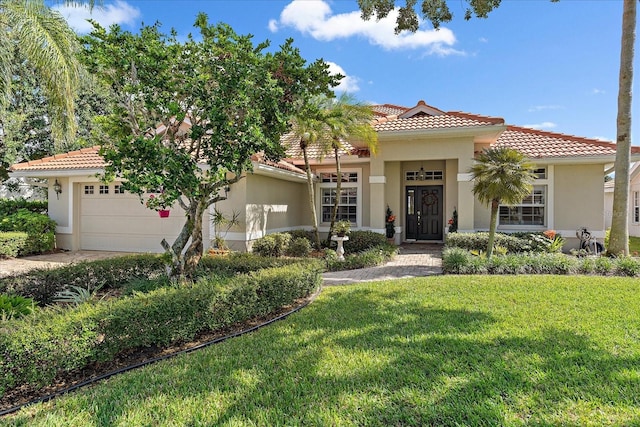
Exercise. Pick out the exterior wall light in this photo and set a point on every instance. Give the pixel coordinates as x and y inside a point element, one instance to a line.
<point>57,187</point>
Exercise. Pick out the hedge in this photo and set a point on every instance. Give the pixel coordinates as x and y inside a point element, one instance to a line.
<point>461,261</point>
<point>35,349</point>
<point>479,241</point>
<point>11,206</point>
<point>42,284</point>
<point>13,243</point>
<point>40,229</point>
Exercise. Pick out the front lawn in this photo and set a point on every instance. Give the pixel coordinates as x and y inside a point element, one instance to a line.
<point>634,245</point>
<point>441,350</point>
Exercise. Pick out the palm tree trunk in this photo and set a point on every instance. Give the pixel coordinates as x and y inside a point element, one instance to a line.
<point>492,226</point>
<point>619,238</point>
<point>312,198</point>
<point>336,201</point>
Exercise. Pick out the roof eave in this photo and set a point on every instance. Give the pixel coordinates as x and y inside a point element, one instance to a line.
<point>274,172</point>
<point>59,173</point>
<point>580,159</point>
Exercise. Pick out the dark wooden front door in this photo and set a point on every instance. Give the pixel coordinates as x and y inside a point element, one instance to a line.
<point>424,206</point>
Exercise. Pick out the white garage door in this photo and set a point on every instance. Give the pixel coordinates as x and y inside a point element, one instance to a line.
<point>111,220</point>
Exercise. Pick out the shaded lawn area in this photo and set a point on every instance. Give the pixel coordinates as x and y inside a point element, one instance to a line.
<point>441,350</point>
<point>634,245</point>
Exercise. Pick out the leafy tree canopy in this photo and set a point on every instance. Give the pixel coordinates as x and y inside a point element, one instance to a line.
<point>189,115</point>
<point>435,11</point>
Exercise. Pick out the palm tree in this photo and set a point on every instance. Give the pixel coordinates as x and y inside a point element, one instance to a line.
<point>44,38</point>
<point>619,237</point>
<point>345,118</point>
<point>307,128</point>
<point>501,175</point>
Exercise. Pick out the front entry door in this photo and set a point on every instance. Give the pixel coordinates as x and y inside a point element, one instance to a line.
<point>424,212</point>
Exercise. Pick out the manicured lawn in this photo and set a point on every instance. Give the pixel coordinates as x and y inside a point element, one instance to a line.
<point>634,245</point>
<point>452,350</point>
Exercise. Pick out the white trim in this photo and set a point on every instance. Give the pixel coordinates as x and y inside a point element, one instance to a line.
<point>51,173</point>
<point>274,172</point>
<point>465,177</point>
<point>377,179</point>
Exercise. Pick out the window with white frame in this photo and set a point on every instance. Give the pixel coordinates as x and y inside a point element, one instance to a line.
<point>88,189</point>
<point>530,212</point>
<point>118,189</point>
<point>636,206</point>
<point>104,189</point>
<point>348,200</point>
<point>540,173</point>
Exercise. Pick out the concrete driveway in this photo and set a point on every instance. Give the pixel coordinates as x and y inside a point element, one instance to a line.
<point>12,266</point>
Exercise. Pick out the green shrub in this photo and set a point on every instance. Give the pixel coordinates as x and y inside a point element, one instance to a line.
<point>369,258</point>
<point>40,229</point>
<point>604,265</point>
<point>360,241</point>
<point>11,206</point>
<point>299,247</point>
<point>460,261</point>
<point>43,284</point>
<point>627,266</point>
<point>479,241</point>
<point>14,306</point>
<point>13,244</point>
<point>35,349</point>
<point>272,245</point>
<point>305,234</point>
<point>586,265</point>
<point>241,262</point>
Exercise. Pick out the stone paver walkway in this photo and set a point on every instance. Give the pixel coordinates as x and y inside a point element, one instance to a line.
<point>413,260</point>
<point>13,266</point>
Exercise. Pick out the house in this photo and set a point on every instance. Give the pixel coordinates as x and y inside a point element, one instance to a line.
<point>634,201</point>
<point>420,171</point>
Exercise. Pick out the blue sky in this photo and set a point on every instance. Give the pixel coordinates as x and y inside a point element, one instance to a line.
<point>551,66</point>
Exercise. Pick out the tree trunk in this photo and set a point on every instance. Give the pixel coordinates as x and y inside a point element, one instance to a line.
<point>619,237</point>
<point>492,226</point>
<point>177,269</point>
<point>336,201</point>
<point>196,248</point>
<point>312,198</point>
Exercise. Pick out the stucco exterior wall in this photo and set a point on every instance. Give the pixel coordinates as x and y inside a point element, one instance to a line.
<point>579,198</point>
<point>634,227</point>
<point>266,205</point>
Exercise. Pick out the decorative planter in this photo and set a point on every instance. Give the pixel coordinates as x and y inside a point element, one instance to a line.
<point>164,213</point>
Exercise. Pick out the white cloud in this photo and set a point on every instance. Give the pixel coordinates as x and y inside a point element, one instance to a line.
<point>483,40</point>
<point>315,18</point>
<point>543,125</point>
<point>273,25</point>
<point>598,91</point>
<point>348,83</point>
<point>119,12</point>
<point>537,108</point>
<point>603,138</point>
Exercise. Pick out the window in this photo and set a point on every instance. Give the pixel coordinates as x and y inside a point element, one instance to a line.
<point>88,189</point>
<point>529,212</point>
<point>423,175</point>
<point>104,189</point>
<point>333,177</point>
<point>118,189</point>
<point>636,206</point>
<point>540,173</point>
<point>348,198</point>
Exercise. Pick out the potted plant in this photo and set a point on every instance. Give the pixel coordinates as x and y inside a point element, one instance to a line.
<point>390,223</point>
<point>342,228</point>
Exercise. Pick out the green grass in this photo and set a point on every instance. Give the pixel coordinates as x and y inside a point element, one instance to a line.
<point>634,244</point>
<point>452,350</point>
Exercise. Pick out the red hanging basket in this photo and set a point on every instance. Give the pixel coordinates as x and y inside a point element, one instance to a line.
<point>164,213</point>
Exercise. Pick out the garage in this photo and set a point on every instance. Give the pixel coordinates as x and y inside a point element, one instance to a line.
<point>113,220</point>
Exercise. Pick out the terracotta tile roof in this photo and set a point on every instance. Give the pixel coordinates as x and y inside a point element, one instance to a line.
<point>85,158</point>
<point>88,158</point>
<point>388,110</point>
<point>537,144</point>
<point>449,120</point>
<point>293,150</point>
